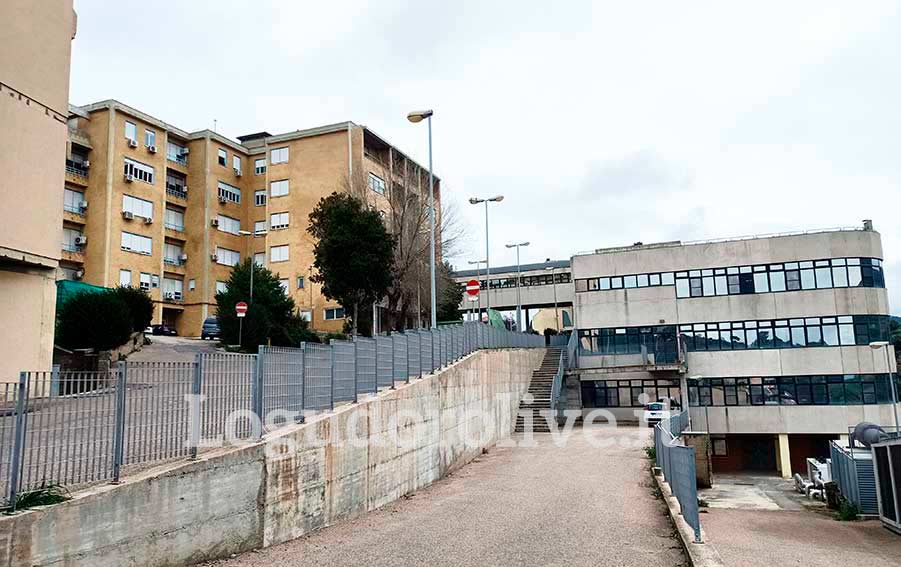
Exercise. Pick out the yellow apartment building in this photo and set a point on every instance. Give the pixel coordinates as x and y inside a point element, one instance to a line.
<point>34,90</point>
<point>149,204</point>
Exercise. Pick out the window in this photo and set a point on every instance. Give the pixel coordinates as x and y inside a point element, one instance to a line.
<point>72,201</point>
<point>227,257</point>
<point>259,198</point>
<point>306,315</point>
<point>278,188</point>
<point>279,155</point>
<point>848,389</point>
<point>131,131</point>
<point>284,283</point>
<point>69,240</point>
<point>719,446</point>
<point>229,193</point>
<point>377,184</point>
<point>173,288</point>
<point>221,287</point>
<point>146,281</point>
<point>300,282</point>
<point>259,227</point>
<point>236,163</point>
<point>125,278</point>
<point>139,171</point>
<point>223,157</point>
<point>228,224</point>
<point>260,258</point>
<point>138,207</point>
<point>278,253</point>
<point>176,184</point>
<point>137,243</point>
<point>149,138</point>
<point>278,221</point>
<point>334,313</point>
<point>192,284</point>
<point>175,219</point>
<point>177,153</point>
<point>259,166</point>
<point>172,254</point>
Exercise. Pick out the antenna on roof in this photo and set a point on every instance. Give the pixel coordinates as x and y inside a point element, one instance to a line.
<point>215,122</point>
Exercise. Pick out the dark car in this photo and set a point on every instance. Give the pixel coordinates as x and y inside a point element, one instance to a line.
<point>210,329</point>
<point>164,329</point>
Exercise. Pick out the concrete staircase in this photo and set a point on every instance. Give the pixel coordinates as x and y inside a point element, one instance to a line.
<point>538,399</point>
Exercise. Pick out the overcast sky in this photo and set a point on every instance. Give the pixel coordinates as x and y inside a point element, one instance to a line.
<point>602,123</point>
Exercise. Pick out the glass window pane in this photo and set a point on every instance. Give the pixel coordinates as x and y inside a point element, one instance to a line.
<point>643,280</point>
<point>846,334</point>
<point>616,283</point>
<point>605,283</point>
<point>840,276</point>
<point>830,335</point>
<point>721,286</point>
<point>777,281</point>
<point>761,284</point>
<point>783,337</point>
<point>682,289</point>
<point>814,337</point>
<point>824,278</point>
<point>708,286</point>
<point>630,282</point>
<point>854,276</point>
<point>807,279</point>
<point>655,279</point>
<point>667,278</point>
<point>792,280</point>
<point>798,338</point>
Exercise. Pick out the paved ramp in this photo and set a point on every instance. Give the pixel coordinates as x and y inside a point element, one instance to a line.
<point>542,505</point>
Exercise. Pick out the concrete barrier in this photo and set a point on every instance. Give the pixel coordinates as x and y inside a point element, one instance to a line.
<point>298,479</point>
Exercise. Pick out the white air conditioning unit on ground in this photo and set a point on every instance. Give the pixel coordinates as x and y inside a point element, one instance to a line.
<point>132,143</point>
<point>214,222</point>
<point>148,220</point>
<point>129,177</point>
<point>78,274</point>
<point>183,257</point>
<point>128,215</point>
<point>214,258</point>
<point>81,240</point>
<point>151,149</point>
<point>83,205</point>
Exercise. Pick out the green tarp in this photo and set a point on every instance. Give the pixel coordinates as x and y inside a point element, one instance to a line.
<point>66,289</point>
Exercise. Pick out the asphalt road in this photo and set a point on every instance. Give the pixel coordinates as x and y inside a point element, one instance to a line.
<point>544,505</point>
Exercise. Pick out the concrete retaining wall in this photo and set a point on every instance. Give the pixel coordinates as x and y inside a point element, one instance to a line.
<point>335,467</point>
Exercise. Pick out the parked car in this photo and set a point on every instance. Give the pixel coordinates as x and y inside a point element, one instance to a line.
<point>165,329</point>
<point>210,329</point>
<point>655,412</point>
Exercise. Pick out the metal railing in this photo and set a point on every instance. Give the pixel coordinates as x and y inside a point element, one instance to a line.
<point>678,465</point>
<point>74,428</point>
<point>557,388</point>
<point>572,350</point>
<point>176,191</point>
<point>76,168</point>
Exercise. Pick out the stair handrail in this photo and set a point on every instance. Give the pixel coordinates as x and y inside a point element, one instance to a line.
<point>557,388</point>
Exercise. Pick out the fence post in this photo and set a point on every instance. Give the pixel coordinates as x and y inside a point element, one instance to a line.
<point>303,380</point>
<point>197,422</point>
<point>356,373</point>
<point>15,468</point>
<point>257,389</point>
<point>54,381</point>
<point>331,353</point>
<point>119,432</point>
<point>392,361</point>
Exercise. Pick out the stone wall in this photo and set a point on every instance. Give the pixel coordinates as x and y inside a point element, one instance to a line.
<point>335,467</point>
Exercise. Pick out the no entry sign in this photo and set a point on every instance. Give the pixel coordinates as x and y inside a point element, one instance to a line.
<point>472,287</point>
<point>240,308</point>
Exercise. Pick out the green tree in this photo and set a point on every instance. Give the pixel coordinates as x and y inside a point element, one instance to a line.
<point>271,316</point>
<point>449,293</point>
<point>353,252</point>
<point>94,320</point>
<point>140,306</point>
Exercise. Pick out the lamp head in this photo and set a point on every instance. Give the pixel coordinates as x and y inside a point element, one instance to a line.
<point>497,198</point>
<point>419,115</point>
<point>474,201</point>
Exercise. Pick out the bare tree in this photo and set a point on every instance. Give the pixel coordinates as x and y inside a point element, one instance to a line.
<point>404,205</point>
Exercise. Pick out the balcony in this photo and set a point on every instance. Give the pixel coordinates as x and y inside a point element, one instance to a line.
<point>177,191</point>
<point>76,173</point>
<point>175,231</point>
<point>73,214</point>
<point>174,266</point>
<point>180,159</point>
<point>174,297</point>
<point>72,253</point>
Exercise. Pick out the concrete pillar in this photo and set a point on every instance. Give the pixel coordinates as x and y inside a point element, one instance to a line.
<point>783,456</point>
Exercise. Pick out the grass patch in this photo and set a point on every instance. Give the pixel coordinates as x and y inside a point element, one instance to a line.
<point>44,496</point>
<point>847,511</point>
<point>651,453</point>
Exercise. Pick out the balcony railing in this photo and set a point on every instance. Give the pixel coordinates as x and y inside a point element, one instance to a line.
<point>173,261</point>
<point>181,159</point>
<point>71,247</point>
<point>76,168</point>
<point>177,191</point>
<point>75,209</point>
<point>175,227</point>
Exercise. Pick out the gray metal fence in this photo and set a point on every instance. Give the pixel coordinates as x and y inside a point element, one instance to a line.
<point>75,428</point>
<point>678,465</point>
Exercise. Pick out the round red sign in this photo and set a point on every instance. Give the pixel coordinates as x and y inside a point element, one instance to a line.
<point>472,287</point>
<point>240,307</point>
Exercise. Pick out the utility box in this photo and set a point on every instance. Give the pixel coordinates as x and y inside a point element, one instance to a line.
<point>703,463</point>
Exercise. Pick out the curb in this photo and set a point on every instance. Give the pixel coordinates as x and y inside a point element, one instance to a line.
<point>699,554</point>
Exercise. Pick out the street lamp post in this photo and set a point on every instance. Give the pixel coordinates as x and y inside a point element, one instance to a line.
<point>415,117</point>
<point>519,326</point>
<point>476,201</point>
<point>876,345</point>
<point>553,270</point>
<point>478,263</point>
<point>253,268</point>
